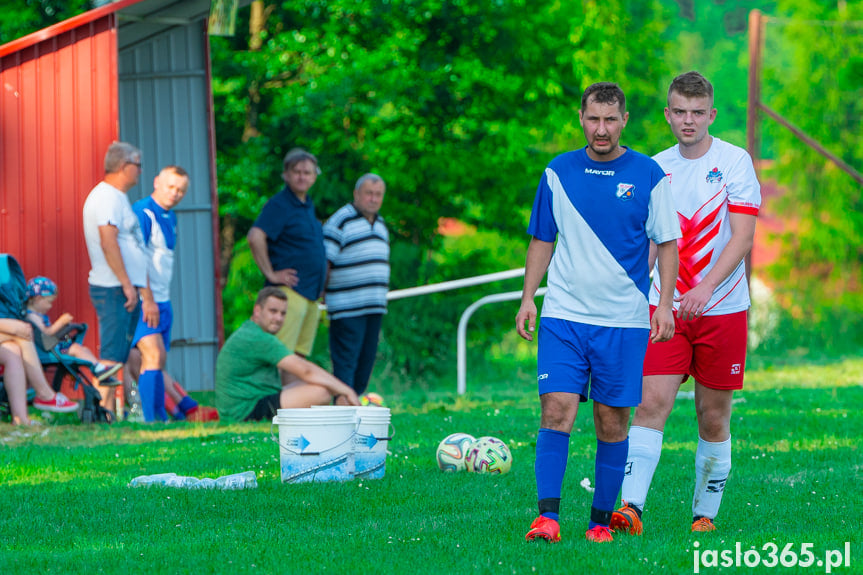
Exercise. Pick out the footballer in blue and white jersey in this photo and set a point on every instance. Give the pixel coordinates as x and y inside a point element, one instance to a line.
<point>153,333</point>
<point>602,205</point>
<point>603,216</point>
<point>159,228</point>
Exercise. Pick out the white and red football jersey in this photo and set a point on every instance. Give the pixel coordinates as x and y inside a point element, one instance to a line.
<point>705,191</point>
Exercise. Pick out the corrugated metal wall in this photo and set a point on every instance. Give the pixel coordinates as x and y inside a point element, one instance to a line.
<point>58,114</point>
<point>61,105</point>
<point>163,110</point>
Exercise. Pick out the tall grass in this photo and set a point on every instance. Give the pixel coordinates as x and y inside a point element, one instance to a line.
<point>66,506</point>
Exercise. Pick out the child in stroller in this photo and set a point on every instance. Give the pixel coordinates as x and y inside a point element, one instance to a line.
<point>41,293</point>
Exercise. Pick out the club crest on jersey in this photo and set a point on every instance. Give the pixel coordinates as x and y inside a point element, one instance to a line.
<point>625,191</point>
<point>714,176</point>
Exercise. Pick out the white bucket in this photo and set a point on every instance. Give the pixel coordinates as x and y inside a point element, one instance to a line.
<point>371,440</point>
<point>316,445</point>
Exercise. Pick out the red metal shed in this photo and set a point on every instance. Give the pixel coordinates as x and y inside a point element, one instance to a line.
<point>67,92</point>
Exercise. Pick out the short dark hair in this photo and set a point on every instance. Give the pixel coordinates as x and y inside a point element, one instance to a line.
<point>691,85</point>
<point>270,291</point>
<point>604,93</point>
<point>297,155</point>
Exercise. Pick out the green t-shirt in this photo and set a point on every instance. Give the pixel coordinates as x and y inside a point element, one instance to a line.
<point>246,370</point>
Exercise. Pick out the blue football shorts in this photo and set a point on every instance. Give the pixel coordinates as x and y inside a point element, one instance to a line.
<point>166,318</point>
<point>596,362</point>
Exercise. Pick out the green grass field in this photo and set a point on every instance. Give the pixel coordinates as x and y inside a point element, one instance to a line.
<point>66,506</point>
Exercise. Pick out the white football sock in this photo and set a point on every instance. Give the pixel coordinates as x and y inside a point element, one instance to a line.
<point>712,466</point>
<point>645,447</point>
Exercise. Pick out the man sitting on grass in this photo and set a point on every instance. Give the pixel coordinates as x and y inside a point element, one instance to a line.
<point>253,363</point>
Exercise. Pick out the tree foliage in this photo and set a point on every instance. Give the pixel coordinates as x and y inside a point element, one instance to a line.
<point>813,76</point>
<point>22,17</point>
<point>457,104</point>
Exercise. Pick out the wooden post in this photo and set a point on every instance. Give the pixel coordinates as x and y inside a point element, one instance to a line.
<point>753,140</point>
<point>752,129</point>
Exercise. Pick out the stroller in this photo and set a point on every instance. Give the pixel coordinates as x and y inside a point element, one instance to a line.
<point>48,348</point>
<point>12,299</point>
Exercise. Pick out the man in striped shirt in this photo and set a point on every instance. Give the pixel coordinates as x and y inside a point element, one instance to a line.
<point>358,254</point>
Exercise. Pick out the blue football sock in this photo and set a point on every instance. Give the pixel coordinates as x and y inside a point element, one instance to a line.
<point>147,392</point>
<point>187,404</point>
<point>159,397</point>
<point>609,469</point>
<point>552,450</point>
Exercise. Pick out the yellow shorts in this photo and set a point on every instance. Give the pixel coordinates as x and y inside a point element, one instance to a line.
<point>301,323</point>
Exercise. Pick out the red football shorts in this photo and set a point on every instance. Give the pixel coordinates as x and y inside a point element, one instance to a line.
<point>711,348</point>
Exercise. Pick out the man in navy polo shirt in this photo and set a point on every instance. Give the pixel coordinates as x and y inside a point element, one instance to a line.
<point>287,242</point>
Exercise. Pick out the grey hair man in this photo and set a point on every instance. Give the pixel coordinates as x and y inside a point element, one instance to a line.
<point>118,274</point>
<point>358,256</point>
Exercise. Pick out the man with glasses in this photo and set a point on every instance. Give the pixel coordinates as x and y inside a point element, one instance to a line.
<point>118,274</point>
<point>287,242</point>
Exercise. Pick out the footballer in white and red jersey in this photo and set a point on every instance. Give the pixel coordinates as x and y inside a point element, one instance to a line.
<point>713,186</point>
<point>705,191</point>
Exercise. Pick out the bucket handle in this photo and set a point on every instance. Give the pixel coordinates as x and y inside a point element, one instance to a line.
<point>390,428</point>
<point>288,449</point>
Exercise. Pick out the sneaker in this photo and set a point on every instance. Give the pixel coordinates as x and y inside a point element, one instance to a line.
<point>106,372</point>
<point>627,520</point>
<point>58,404</point>
<point>110,381</point>
<point>703,525</point>
<point>599,534</point>
<point>544,528</point>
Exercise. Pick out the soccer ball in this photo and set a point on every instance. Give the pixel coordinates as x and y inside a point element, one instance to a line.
<point>488,455</point>
<point>372,399</point>
<point>451,451</point>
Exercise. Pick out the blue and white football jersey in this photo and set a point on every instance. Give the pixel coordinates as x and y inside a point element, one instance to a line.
<point>602,215</point>
<point>159,228</point>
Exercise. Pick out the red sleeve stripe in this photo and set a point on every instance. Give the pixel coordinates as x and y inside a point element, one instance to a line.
<point>738,209</point>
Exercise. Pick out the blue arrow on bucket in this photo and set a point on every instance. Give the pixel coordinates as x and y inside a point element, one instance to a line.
<point>302,443</point>
<point>371,441</point>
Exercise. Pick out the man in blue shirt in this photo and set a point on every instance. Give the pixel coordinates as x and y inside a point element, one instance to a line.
<point>153,334</point>
<point>602,204</point>
<point>287,242</point>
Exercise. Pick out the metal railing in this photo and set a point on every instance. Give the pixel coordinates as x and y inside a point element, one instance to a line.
<point>461,368</point>
<point>461,340</point>
<point>454,284</point>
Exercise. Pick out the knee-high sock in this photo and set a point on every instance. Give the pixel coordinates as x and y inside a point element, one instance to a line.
<point>552,450</point>
<point>147,392</point>
<point>610,461</point>
<point>712,466</point>
<point>187,405</point>
<point>645,447</point>
<point>159,411</point>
